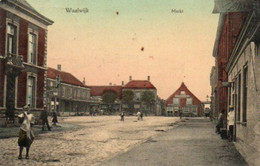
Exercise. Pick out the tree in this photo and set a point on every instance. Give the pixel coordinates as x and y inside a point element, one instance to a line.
<point>127,98</point>
<point>109,98</point>
<point>148,98</point>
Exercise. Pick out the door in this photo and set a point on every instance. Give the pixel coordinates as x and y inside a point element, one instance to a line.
<point>10,97</point>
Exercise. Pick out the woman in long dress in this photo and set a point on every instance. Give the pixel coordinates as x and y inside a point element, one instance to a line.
<point>26,135</point>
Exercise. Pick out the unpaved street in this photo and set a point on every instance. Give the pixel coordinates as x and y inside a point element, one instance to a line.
<point>101,138</point>
<point>192,143</point>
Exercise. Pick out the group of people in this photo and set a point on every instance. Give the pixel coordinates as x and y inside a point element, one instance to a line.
<point>26,134</point>
<point>230,124</point>
<point>139,116</point>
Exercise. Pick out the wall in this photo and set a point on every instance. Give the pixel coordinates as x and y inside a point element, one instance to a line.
<point>2,52</point>
<point>232,26</point>
<point>248,135</point>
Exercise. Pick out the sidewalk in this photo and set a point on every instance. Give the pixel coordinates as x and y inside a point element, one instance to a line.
<point>193,143</point>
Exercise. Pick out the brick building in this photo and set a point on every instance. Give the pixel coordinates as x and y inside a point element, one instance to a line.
<point>138,87</point>
<point>237,53</point>
<point>23,56</point>
<point>183,99</point>
<point>229,27</point>
<point>71,97</point>
<point>98,91</point>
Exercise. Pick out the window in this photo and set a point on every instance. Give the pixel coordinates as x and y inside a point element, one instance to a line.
<point>189,101</point>
<point>137,96</point>
<point>176,101</point>
<point>78,93</point>
<point>229,96</point>
<point>68,92</point>
<point>63,91</point>
<point>75,93</point>
<point>195,110</point>
<point>245,84</point>
<point>31,91</point>
<point>170,109</point>
<point>185,109</point>
<point>11,39</point>
<point>238,97</point>
<point>32,48</point>
<point>51,84</point>
<point>183,93</point>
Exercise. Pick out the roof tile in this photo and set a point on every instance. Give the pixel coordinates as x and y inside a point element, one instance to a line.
<point>65,77</point>
<point>139,84</point>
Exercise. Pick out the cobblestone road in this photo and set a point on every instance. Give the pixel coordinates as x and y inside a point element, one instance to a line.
<point>100,138</point>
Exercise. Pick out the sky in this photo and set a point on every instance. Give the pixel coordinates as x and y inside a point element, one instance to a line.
<point>104,44</point>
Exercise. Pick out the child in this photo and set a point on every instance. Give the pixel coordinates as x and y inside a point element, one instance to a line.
<point>26,135</point>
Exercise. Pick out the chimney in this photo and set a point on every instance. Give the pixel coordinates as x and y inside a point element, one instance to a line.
<point>148,78</point>
<point>123,83</point>
<point>84,81</point>
<point>59,67</point>
<point>130,78</point>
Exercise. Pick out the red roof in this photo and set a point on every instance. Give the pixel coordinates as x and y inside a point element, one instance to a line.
<point>139,84</point>
<point>183,87</point>
<point>99,90</point>
<point>65,77</point>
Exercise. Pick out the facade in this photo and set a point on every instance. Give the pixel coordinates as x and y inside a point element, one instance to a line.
<point>237,53</point>
<point>214,92</point>
<point>138,87</point>
<point>229,27</point>
<point>23,56</point>
<point>183,99</point>
<point>70,97</point>
<point>98,91</point>
<point>243,70</point>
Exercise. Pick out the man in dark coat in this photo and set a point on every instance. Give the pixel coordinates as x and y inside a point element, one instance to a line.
<point>180,113</point>
<point>44,118</point>
<point>54,118</point>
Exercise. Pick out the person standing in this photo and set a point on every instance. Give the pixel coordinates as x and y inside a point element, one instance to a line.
<point>141,115</point>
<point>138,115</point>
<point>180,113</point>
<point>220,121</point>
<point>54,118</point>
<point>26,135</point>
<point>231,122</point>
<point>122,116</point>
<point>44,118</point>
